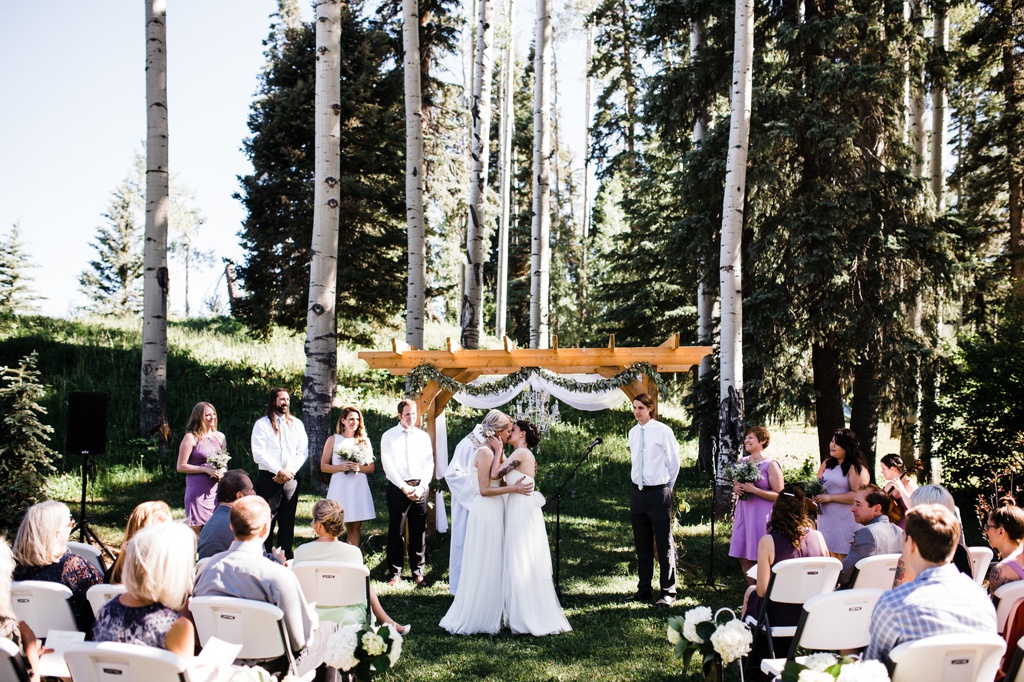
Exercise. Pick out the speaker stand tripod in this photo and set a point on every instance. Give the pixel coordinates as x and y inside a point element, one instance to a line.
<point>85,533</point>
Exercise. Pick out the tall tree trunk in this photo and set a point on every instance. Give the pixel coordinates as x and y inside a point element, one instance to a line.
<point>321,377</point>
<point>414,170</point>
<point>588,114</point>
<point>916,104</point>
<point>864,405</point>
<point>828,401</point>
<point>730,428</point>
<point>232,282</point>
<point>505,178</point>
<point>939,102</point>
<point>473,301</point>
<point>540,241</point>
<point>1015,179</point>
<point>156,279</point>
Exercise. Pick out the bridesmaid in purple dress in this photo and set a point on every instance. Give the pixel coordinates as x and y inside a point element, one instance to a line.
<point>843,474</point>
<point>751,515</point>
<point>201,440</point>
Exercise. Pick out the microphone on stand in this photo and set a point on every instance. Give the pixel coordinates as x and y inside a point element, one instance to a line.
<point>597,441</point>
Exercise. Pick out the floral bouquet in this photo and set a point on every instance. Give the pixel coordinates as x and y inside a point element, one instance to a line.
<point>828,668</point>
<point>364,650</point>
<point>219,459</point>
<point>352,450</point>
<point>479,435</point>
<point>812,487</point>
<point>743,471</point>
<point>719,644</point>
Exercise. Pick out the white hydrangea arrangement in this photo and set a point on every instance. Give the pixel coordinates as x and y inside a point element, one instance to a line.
<point>828,668</point>
<point>700,630</point>
<point>219,459</point>
<point>364,650</point>
<point>354,450</point>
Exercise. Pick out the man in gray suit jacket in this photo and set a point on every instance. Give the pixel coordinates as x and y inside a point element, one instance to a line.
<point>878,535</point>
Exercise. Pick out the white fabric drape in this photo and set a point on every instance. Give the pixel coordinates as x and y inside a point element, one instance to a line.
<point>440,466</point>
<point>590,402</point>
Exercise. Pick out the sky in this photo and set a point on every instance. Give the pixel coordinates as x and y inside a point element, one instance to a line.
<point>72,86</point>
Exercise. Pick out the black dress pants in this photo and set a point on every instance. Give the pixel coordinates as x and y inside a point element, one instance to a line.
<point>402,510</point>
<point>650,513</point>
<point>283,500</point>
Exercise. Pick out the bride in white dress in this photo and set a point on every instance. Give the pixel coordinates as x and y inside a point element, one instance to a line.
<point>478,602</point>
<point>531,604</point>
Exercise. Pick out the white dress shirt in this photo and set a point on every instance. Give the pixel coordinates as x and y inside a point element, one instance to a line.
<point>660,460</point>
<point>287,448</point>
<point>407,455</point>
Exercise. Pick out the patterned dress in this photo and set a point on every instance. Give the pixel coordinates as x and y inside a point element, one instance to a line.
<point>146,625</point>
<point>74,572</point>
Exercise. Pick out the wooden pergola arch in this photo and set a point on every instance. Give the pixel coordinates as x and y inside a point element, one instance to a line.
<point>466,365</point>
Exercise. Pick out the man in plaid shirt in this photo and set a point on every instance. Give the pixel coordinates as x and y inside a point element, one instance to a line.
<point>941,600</point>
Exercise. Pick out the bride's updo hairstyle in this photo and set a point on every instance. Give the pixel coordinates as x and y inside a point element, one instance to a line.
<point>531,432</point>
<point>331,516</point>
<point>497,421</point>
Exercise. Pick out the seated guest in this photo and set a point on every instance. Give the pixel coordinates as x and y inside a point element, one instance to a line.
<point>244,572</point>
<point>216,534</point>
<point>1005,532</point>
<point>159,564</point>
<point>145,514</point>
<point>41,552</point>
<point>10,627</point>
<point>329,524</point>
<point>941,600</point>
<point>936,494</point>
<point>877,534</point>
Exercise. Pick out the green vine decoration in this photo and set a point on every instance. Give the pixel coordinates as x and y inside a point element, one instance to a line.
<point>425,373</point>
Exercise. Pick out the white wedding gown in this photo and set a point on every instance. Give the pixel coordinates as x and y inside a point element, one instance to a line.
<point>531,604</point>
<point>478,601</point>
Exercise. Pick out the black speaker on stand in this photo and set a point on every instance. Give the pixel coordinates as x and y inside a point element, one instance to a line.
<point>87,435</point>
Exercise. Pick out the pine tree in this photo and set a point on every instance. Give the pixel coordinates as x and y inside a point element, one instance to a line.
<point>16,294</point>
<point>25,456</point>
<point>113,281</point>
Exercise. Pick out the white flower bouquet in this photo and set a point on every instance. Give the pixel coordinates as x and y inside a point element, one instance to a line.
<point>828,668</point>
<point>219,459</point>
<point>353,450</point>
<point>743,471</point>
<point>364,650</point>
<point>699,630</point>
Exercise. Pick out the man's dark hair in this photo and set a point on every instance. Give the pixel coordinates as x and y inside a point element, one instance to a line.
<point>233,481</point>
<point>876,496</point>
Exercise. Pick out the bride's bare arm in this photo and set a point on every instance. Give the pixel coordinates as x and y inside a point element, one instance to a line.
<point>484,458</point>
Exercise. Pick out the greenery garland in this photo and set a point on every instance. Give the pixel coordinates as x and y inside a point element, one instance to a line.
<point>425,373</point>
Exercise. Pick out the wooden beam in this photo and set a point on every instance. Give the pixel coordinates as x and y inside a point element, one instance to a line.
<point>400,347</point>
<point>672,342</point>
<point>508,343</point>
<point>451,345</point>
<point>554,342</point>
<point>611,342</point>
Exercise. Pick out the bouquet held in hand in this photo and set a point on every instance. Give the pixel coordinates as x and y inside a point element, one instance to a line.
<point>219,459</point>
<point>743,471</point>
<point>352,450</point>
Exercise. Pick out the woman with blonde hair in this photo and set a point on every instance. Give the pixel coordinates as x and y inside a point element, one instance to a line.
<point>349,485</point>
<point>145,514</point>
<point>329,524</point>
<point>10,627</point>
<point>41,552</point>
<point>201,440</point>
<point>159,568</point>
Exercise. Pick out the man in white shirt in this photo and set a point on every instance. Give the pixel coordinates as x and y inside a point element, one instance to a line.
<point>280,448</point>
<point>408,460</point>
<point>655,454</point>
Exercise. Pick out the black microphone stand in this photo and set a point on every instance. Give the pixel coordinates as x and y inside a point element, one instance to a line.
<point>86,534</point>
<point>558,515</point>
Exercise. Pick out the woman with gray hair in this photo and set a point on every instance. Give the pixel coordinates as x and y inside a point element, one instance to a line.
<point>934,493</point>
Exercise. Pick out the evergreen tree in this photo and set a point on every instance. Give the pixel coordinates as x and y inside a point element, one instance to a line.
<point>113,281</point>
<point>25,456</point>
<point>278,194</point>
<point>16,294</point>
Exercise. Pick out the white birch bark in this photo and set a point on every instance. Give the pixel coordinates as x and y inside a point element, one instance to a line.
<point>588,114</point>
<point>473,301</point>
<point>705,294</point>
<point>321,376</point>
<point>730,434</point>
<point>505,177</point>
<point>939,106</point>
<point>540,240</point>
<point>915,126</point>
<point>414,170</point>
<point>156,279</point>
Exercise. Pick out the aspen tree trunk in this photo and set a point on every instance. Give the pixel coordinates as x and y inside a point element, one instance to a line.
<point>473,301</point>
<point>232,283</point>
<point>320,380</point>
<point>156,280</point>
<point>414,170</point>
<point>540,240</point>
<point>588,114</point>
<point>730,430</point>
<point>939,102</point>
<point>505,179</point>
<point>916,104</point>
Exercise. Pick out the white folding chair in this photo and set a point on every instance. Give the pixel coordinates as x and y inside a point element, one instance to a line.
<point>43,606</point>
<point>334,583</point>
<point>116,662</point>
<point>89,552</point>
<point>794,581</point>
<point>981,557</point>
<point>959,657</point>
<point>98,595</point>
<point>1015,672</point>
<point>259,627</point>
<point>875,571</point>
<point>1006,597</point>
<point>12,667</point>
<point>835,621</point>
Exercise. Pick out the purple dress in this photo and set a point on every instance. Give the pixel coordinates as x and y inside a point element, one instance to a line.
<point>787,614</point>
<point>201,489</point>
<point>750,519</point>
<point>835,519</point>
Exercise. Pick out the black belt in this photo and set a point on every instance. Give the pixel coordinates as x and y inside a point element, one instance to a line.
<point>413,482</point>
